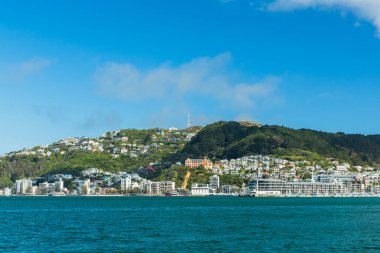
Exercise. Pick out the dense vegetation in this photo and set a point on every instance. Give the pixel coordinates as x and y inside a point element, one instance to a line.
<point>232,140</point>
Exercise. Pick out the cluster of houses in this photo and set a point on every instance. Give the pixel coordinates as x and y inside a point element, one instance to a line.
<point>283,177</point>
<point>115,143</point>
<point>92,182</point>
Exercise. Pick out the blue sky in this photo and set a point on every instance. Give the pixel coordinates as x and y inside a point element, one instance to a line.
<point>81,68</point>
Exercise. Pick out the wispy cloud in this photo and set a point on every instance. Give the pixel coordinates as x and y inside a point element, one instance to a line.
<point>226,1</point>
<point>53,114</point>
<point>27,68</point>
<point>100,119</point>
<point>208,77</point>
<point>368,10</point>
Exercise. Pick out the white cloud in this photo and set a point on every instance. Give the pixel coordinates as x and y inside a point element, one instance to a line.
<point>25,69</point>
<point>208,77</point>
<point>34,65</point>
<point>368,10</point>
<point>227,1</point>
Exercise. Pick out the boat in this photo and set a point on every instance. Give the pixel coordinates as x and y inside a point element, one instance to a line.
<point>173,194</point>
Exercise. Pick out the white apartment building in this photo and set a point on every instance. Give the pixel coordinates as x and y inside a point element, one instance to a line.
<point>158,187</point>
<point>167,186</point>
<point>214,182</point>
<point>24,186</point>
<point>126,183</point>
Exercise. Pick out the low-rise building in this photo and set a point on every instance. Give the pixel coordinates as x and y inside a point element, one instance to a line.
<point>200,189</point>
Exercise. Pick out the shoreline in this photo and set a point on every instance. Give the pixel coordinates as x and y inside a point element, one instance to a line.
<point>192,196</point>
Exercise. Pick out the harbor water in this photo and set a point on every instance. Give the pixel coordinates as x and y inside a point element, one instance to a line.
<point>189,224</point>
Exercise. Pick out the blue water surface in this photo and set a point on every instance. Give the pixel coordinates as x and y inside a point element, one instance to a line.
<point>189,224</point>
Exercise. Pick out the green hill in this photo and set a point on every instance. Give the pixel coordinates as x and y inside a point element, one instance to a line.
<point>232,140</point>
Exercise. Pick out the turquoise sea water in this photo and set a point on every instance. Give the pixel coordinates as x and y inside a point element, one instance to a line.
<point>189,224</point>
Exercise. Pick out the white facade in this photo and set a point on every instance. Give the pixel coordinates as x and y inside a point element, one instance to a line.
<point>200,189</point>
<point>167,186</point>
<point>7,191</point>
<point>214,182</point>
<point>23,186</point>
<point>158,187</point>
<point>126,183</point>
<point>84,186</point>
<point>59,185</point>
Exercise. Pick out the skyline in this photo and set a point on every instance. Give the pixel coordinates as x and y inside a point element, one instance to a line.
<point>86,67</point>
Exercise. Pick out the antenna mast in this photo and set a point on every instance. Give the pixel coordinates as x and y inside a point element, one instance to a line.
<point>188,120</point>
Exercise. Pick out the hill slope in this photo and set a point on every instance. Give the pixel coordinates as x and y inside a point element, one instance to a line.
<point>232,140</point>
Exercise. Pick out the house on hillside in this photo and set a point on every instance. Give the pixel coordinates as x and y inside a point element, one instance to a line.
<point>195,163</point>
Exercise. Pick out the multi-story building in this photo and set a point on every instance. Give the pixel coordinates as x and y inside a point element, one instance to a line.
<point>158,187</point>
<point>58,185</point>
<point>155,188</point>
<point>167,186</point>
<point>298,188</point>
<point>214,182</point>
<point>24,186</point>
<point>126,183</point>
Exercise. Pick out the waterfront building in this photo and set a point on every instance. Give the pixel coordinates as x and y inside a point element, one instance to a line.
<point>42,188</point>
<point>7,191</point>
<point>167,186</point>
<point>84,186</point>
<point>24,186</point>
<point>126,183</point>
<point>146,186</point>
<point>229,189</point>
<point>58,185</point>
<point>158,187</point>
<point>155,188</point>
<point>200,189</point>
<point>298,188</point>
<point>34,190</point>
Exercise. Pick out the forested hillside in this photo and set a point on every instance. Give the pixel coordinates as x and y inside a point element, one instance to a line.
<point>233,139</point>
